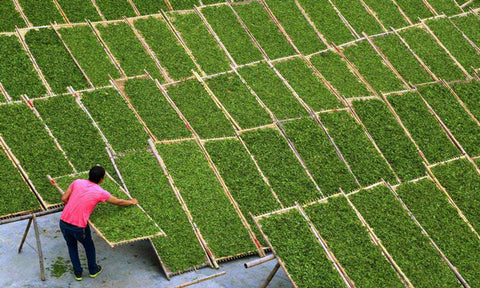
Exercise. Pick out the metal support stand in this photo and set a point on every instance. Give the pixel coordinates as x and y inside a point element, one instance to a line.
<point>39,245</point>
<point>271,275</point>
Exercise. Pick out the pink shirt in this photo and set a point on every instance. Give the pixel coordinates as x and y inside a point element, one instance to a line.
<point>84,197</point>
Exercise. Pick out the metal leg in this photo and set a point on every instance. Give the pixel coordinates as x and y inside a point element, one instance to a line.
<point>25,235</point>
<point>39,247</point>
<point>271,275</point>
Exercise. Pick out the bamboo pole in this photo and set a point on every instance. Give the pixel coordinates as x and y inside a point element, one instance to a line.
<point>107,50</point>
<point>19,8</point>
<point>34,62</point>
<point>130,105</point>
<point>450,200</point>
<point>386,61</point>
<point>279,260</point>
<point>419,60</point>
<point>94,3</point>
<point>4,92</point>
<point>327,250</point>
<point>442,255</point>
<point>186,284</point>
<point>349,26</point>
<point>94,123</point>
<point>148,49</point>
<point>181,41</point>
<point>72,56</point>
<point>305,15</point>
<point>400,122</point>
<point>208,254</point>
<point>279,26</point>
<point>355,70</point>
<point>425,26</point>
<point>378,242</point>
<point>134,7</point>
<point>214,34</point>
<point>59,8</point>
<point>217,102</point>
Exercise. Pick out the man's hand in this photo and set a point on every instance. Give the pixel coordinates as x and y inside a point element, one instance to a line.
<point>121,202</point>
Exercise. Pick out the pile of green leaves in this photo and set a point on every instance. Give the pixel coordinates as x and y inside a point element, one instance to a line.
<point>115,9</point>
<point>371,66</point>
<point>445,226</point>
<point>327,21</point>
<point>206,50</point>
<point>166,47</point>
<point>146,182</point>
<point>300,251</point>
<point>231,33</point>
<point>10,17</point>
<point>410,249</point>
<point>432,54</point>
<point>296,26</point>
<point>446,7</point>
<point>414,9</point>
<point>17,73</point>
<point>242,179</point>
<point>358,16</point>
<point>462,125</point>
<point>41,12</point>
<point>271,90</point>
<point>388,13</point>
<point>54,60</point>
<point>453,39</point>
<point>238,101</point>
<point>308,86</point>
<point>79,10</point>
<point>33,147</point>
<point>155,110</point>
<point>115,119</point>
<point>402,59</point>
<point>146,7</point>
<point>351,244</point>
<point>366,163</point>
<point>423,127</point>
<point>287,177</point>
<point>462,183</point>
<point>128,50</point>
<point>264,30</point>
<point>116,223</point>
<point>336,71</point>
<point>468,92</point>
<point>200,110</point>
<point>65,118</point>
<point>320,156</point>
<point>470,25</point>
<point>90,54</point>
<point>211,210</point>
<point>390,138</point>
<point>15,194</point>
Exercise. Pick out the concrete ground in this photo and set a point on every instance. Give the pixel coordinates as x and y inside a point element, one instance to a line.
<point>130,265</point>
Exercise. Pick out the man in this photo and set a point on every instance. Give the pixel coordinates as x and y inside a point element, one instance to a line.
<point>81,198</point>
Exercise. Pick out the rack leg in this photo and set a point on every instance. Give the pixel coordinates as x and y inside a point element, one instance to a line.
<point>25,235</point>
<point>271,275</point>
<point>39,247</point>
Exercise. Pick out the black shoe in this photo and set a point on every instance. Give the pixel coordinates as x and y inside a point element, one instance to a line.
<point>99,271</point>
<point>78,276</point>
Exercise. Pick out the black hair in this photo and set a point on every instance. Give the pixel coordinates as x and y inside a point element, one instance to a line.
<point>96,174</point>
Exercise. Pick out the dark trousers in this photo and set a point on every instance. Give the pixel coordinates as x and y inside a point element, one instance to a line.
<point>73,235</point>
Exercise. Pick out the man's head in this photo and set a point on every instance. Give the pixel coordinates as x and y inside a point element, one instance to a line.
<point>96,174</point>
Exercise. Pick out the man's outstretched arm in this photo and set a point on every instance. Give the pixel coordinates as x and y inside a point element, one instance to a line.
<point>121,202</point>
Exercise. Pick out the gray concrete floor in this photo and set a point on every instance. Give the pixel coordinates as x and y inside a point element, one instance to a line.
<point>130,265</point>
